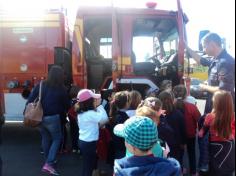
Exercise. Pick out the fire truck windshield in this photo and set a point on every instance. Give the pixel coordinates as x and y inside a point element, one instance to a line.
<point>154,39</point>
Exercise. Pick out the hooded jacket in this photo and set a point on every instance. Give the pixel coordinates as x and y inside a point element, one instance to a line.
<point>146,166</point>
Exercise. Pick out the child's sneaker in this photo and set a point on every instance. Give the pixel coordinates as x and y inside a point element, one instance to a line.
<point>55,162</point>
<point>41,151</point>
<point>49,169</point>
<point>204,168</point>
<point>76,151</point>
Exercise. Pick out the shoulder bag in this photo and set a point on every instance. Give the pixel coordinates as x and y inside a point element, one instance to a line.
<point>34,112</point>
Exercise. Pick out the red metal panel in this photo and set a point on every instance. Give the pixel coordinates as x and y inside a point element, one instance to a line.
<point>27,50</point>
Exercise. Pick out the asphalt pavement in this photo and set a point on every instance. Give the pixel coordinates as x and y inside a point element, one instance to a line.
<point>20,153</point>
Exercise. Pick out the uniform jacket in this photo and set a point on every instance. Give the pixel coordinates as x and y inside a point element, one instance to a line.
<point>220,73</point>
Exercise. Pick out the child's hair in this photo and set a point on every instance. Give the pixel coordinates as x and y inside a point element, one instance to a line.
<point>151,102</point>
<point>167,101</point>
<point>135,99</point>
<point>166,84</point>
<point>120,100</point>
<point>224,111</point>
<point>151,92</point>
<point>86,105</point>
<point>148,112</point>
<point>180,93</point>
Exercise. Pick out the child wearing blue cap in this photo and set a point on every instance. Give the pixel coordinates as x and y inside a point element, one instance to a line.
<point>140,134</point>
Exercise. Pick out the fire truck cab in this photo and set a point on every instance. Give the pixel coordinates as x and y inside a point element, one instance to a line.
<point>112,48</point>
<point>121,48</point>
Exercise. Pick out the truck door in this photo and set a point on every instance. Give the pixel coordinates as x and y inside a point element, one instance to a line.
<point>122,65</point>
<point>181,28</point>
<point>78,66</point>
<point>92,48</point>
<point>116,53</point>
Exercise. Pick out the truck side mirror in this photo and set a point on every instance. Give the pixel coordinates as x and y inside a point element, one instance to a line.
<point>201,35</point>
<point>61,55</point>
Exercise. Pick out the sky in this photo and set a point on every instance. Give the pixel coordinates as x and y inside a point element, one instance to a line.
<point>214,15</point>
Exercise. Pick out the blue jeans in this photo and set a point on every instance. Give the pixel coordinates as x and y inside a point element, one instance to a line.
<point>51,137</point>
<point>203,145</point>
<point>191,154</point>
<point>74,132</point>
<point>0,166</point>
<point>88,151</point>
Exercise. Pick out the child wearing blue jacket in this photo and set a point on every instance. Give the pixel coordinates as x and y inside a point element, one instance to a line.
<point>140,134</point>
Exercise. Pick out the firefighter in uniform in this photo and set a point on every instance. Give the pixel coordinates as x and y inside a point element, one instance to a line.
<point>221,68</point>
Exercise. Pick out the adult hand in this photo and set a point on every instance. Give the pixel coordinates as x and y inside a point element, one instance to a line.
<point>203,87</point>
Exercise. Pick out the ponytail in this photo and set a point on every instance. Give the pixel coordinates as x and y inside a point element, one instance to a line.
<point>113,111</point>
<point>119,101</point>
<point>180,93</point>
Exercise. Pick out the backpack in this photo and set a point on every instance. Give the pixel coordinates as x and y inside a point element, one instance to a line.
<point>166,132</point>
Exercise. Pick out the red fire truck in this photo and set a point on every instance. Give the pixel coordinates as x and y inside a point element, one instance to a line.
<point>112,48</point>
<point>122,48</point>
<point>27,45</point>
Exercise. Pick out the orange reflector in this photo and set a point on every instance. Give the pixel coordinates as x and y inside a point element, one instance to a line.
<point>6,91</point>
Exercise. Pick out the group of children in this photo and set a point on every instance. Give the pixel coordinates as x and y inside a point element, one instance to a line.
<point>149,137</point>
